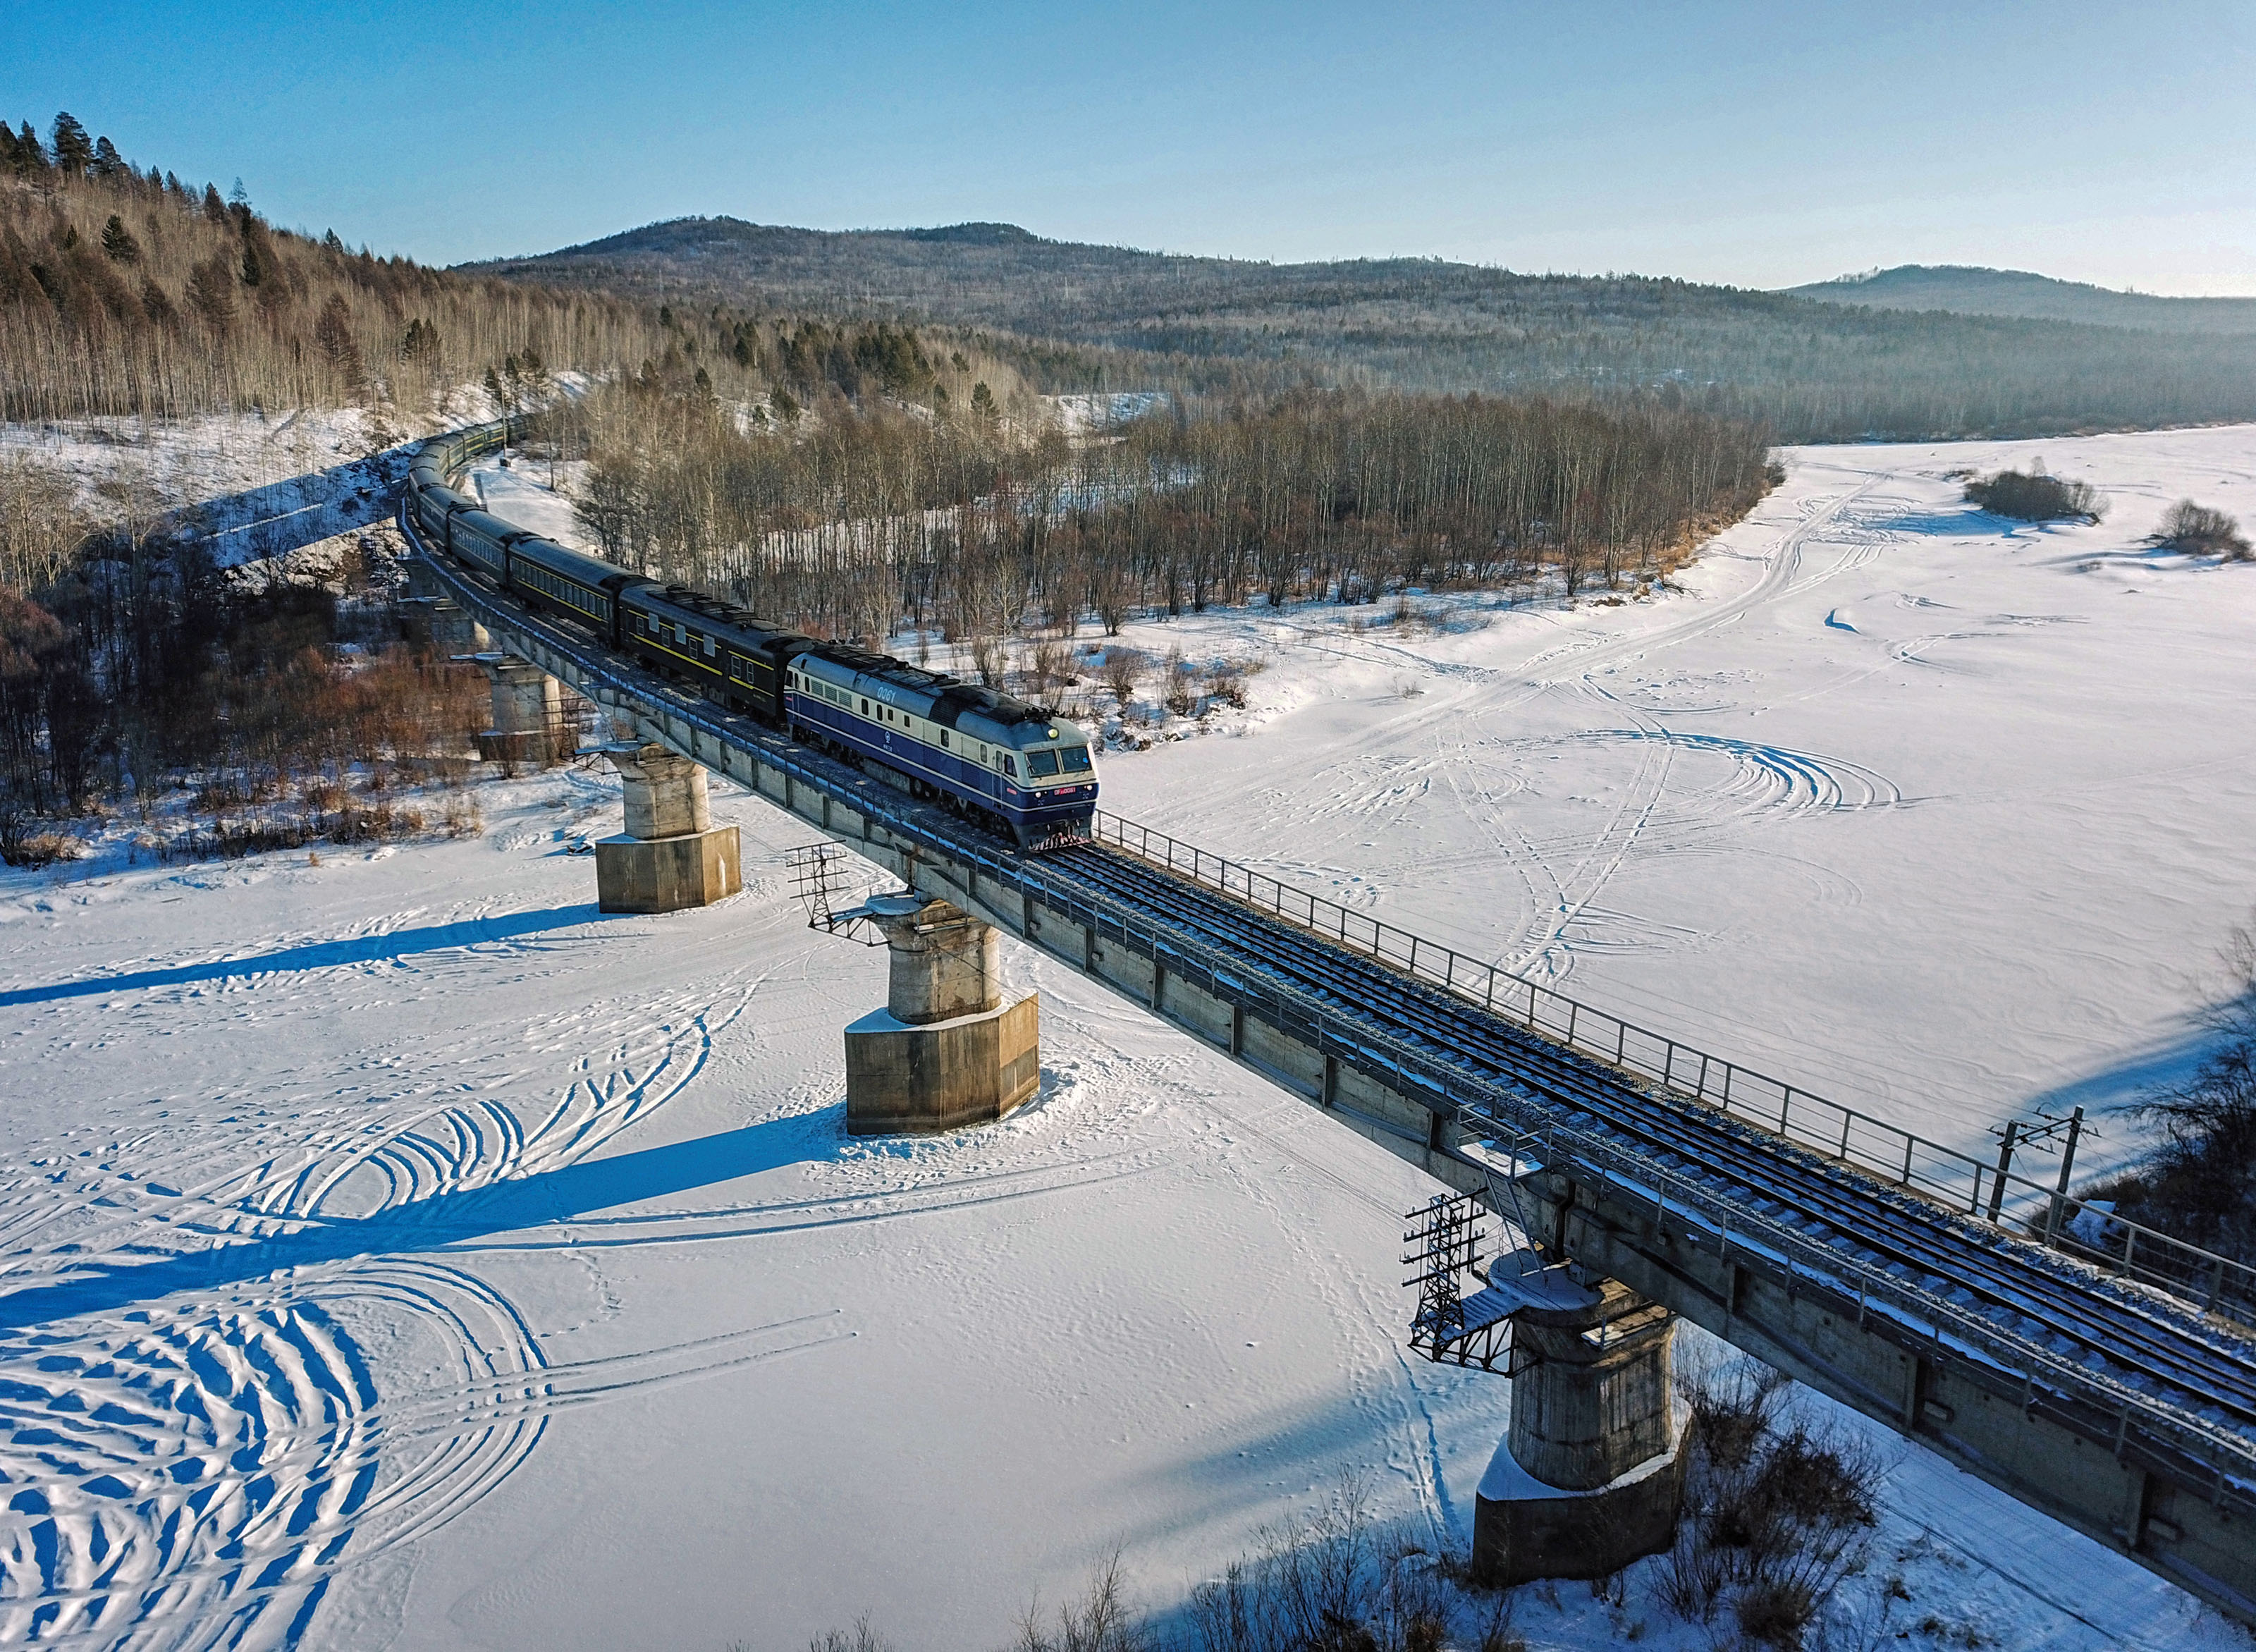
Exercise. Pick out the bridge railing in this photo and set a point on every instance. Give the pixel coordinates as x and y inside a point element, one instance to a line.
<point>1946,1175</point>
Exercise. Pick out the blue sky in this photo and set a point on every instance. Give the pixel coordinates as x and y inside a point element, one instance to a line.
<point>1759,144</point>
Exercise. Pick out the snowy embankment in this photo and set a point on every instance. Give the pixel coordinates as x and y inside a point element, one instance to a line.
<point>404,1254</point>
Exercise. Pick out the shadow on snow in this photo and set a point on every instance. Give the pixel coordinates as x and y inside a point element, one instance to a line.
<point>426,1224</point>
<point>321,954</point>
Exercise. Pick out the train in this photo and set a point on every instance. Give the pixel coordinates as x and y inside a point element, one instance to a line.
<point>998,761</point>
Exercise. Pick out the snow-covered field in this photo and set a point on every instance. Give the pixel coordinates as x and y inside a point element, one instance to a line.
<point>404,1254</point>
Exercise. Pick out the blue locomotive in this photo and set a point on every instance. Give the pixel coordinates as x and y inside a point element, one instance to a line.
<point>991,758</point>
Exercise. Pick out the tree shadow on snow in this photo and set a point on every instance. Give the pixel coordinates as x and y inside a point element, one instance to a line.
<point>2164,1064</point>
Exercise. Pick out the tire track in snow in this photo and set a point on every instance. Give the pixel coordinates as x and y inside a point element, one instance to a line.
<point>1542,943</point>
<point>193,1483</point>
<point>189,1473</point>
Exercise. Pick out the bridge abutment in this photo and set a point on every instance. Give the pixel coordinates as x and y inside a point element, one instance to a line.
<point>671,857</point>
<point>945,1051</point>
<point>1591,1473</point>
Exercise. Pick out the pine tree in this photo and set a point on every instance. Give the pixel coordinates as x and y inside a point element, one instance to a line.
<point>73,150</point>
<point>211,292</point>
<point>332,337</point>
<point>156,306</point>
<point>118,242</point>
<point>983,404</point>
<point>214,209</point>
<point>30,158</point>
<point>107,162</point>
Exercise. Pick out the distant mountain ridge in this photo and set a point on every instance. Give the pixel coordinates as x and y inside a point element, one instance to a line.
<point>1814,367</point>
<point>1972,290</point>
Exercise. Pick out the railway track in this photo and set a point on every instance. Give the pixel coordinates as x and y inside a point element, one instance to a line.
<point>2152,1344</point>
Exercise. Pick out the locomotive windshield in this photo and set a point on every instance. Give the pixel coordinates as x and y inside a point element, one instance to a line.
<point>1074,758</point>
<point>1042,765</point>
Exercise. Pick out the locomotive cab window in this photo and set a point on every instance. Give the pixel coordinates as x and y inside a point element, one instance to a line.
<point>1074,760</point>
<point>1039,765</point>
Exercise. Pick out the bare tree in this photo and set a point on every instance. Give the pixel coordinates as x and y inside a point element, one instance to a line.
<point>1123,669</point>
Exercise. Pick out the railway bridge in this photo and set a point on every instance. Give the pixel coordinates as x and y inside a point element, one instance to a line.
<point>2094,1370</point>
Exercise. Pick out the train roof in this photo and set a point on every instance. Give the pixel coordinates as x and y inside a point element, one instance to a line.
<point>589,570</point>
<point>684,600</point>
<point>950,699</point>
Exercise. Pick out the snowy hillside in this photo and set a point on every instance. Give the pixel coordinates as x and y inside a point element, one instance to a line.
<point>403,1254</point>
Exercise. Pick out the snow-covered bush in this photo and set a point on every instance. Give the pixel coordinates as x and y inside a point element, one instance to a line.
<point>2033,496</point>
<point>1776,1512</point>
<point>2198,530</point>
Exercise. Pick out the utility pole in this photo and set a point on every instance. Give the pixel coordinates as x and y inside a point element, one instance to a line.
<point>2007,1137</point>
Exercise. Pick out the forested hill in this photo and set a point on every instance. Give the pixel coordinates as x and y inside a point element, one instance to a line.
<point>1815,370</point>
<point>1970,291</point>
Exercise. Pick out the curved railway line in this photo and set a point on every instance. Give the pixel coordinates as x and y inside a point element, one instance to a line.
<point>1660,1176</point>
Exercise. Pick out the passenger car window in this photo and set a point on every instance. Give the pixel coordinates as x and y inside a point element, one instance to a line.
<point>1075,759</point>
<point>1041,764</point>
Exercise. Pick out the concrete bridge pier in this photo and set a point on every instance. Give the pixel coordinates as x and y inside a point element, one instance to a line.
<point>944,1051</point>
<point>670,855</point>
<point>430,617</point>
<point>440,625</point>
<point>528,713</point>
<point>1590,1476</point>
